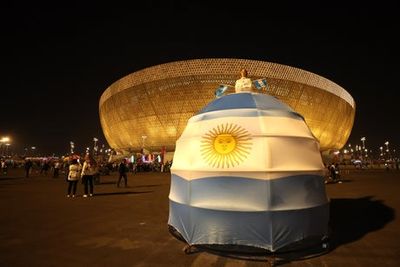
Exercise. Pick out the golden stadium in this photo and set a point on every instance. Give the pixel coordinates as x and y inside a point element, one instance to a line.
<point>151,107</point>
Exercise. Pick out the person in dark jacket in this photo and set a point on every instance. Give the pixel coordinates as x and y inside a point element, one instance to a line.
<point>28,166</point>
<point>123,169</point>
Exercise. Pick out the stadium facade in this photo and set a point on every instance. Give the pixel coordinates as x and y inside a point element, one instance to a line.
<point>150,108</point>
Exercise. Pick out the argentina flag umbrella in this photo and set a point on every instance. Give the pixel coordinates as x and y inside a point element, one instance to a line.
<point>248,171</point>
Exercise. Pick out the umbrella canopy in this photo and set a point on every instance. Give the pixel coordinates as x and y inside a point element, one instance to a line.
<point>247,171</point>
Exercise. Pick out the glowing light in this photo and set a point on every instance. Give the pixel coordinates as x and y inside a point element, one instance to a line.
<point>5,139</point>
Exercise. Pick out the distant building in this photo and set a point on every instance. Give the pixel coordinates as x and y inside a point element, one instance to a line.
<point>151,107</point>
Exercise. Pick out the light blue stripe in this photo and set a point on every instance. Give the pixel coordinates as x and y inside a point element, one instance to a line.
<point>246,113</point>
<point>246,100</point>
<point>270,230</point>
<point>249,194</point>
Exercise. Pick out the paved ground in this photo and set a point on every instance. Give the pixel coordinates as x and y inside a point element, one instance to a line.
<point>39,226</point>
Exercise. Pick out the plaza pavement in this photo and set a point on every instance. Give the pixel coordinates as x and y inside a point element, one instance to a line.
<point>39,226</point>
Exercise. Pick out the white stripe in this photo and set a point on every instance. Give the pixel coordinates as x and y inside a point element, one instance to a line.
<point>277,145</point>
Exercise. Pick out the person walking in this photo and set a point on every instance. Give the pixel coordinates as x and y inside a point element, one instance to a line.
<point>28,166</point>
<point>56,169</point>
<point>73,177</point>
<point>89,169</point>
<point>4,167</point>
<point>338,173</point>
<point>123,169</point>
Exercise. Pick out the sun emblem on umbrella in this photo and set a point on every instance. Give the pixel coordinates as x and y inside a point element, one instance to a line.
<point>226,145</point>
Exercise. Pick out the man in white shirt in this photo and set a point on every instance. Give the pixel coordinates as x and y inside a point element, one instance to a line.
<point>244,84</point>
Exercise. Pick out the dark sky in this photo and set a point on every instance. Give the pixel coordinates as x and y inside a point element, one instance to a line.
<point>57,59</point>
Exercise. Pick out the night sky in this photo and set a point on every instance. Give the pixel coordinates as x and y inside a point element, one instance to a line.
<point>57,59</point>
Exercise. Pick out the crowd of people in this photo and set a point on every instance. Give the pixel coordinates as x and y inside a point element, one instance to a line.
<point>87,170</point>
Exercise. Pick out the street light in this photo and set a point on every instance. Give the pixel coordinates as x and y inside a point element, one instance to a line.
<point>363,145</point>
<point>363,141</point>
<point>4,140</point>
<point>72,147</point>
<point>387,149</point>
<point>95,145</point>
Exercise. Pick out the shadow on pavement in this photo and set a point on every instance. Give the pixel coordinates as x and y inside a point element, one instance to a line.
<point>351,219</point>
<point>122,193</point>
<point>137,186</point>
<point>150,185</point>
<point>111,182</point>
<point>10,178</point>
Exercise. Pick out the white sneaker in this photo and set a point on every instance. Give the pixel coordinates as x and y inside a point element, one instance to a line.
<point>85,195</point>
<point>91,195</point>
<point>73,195</point>
<point>68,195</point>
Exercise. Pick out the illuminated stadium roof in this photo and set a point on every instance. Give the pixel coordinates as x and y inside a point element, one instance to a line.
<point>151,107</point>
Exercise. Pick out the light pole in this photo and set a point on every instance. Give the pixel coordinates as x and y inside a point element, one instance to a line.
<point>363,142</point>
<point>387,149</point>
<point>72,145</point>
<point>95,145</point>
<point>3,140</point>
<point>33,150</point>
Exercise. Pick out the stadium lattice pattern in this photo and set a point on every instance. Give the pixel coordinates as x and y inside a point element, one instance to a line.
<point>156,102</point>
